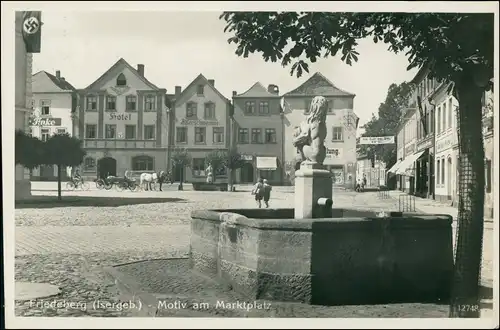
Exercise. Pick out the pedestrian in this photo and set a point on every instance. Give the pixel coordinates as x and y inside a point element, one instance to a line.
<point>364,180</point>
<point>258,192</point>
<point>359,183</point>
<point>266,187</point>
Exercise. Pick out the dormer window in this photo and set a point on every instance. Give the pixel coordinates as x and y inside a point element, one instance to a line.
<point>121,80</point>
<point>200,90</point>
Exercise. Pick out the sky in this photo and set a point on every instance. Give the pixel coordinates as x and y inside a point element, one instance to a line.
<point>175,47</point>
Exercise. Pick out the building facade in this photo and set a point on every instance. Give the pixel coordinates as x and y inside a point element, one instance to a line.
<point>416,168</point>
<point>201,124</point>
<point>54,101</point>
<point>341,122</point>
<point>446,144</point>
<point>23,93</point>
<point>373,170</point>
<point>406,146</point>
<point>258,134</point>
<point>123,120</point>
<point>489,150</point>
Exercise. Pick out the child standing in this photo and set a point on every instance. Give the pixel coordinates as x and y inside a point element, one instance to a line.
<point>258,192</point>
<point>267,192</point>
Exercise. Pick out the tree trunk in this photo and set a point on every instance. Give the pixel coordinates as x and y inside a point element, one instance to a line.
<point>59,182</point>
<point>468,249</point>
<point>181,179</point>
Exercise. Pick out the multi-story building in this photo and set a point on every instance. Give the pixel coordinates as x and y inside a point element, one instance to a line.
<point>202,121</point>
<point>417,166</point>
<point>406,144</point>
<point>341,122</point>
<point>258,134</point>
<point>123,120</point>
<point>27,41</point>
<point>54,100</point>
<point>446,143</point>
<point>489,150</point>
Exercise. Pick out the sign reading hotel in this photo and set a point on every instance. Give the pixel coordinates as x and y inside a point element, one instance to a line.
<point>199,122</point>
<point>120,116</point>
<point>376,140</point>
<point>39,121</point>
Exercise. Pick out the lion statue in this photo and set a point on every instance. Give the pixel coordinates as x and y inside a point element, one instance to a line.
<point>309,137</point>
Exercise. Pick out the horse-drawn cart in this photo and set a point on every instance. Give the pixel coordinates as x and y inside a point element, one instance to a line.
<point>120,183</point>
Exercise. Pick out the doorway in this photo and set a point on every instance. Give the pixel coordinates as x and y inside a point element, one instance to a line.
<point>246,173</point>
<point>105,167</point>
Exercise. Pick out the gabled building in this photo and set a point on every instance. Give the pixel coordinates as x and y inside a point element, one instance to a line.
<point>201,124</point>
<point>341,121</point>
<point>54,101</point>
<point>123,120</point>
<point>258,134</point>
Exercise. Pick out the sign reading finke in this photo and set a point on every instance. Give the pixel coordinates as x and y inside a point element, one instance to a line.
<point>39,121</point>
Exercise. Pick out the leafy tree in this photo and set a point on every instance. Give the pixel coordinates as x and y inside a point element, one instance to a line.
<point>29,150</point>
<point>221,160</point>
<point>181,158</point>
<point>386,124</point>
<point>456,47</point>
<point>63,150</point>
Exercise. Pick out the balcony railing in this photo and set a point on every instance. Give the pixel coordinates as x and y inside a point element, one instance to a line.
<point>119,143</point>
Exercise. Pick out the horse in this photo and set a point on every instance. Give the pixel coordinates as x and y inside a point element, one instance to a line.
<point>149,179</point>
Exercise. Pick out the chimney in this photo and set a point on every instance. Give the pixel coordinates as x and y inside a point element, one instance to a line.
<point>178,90</point>
<point>235,93</point>
<point>211,82</point>
<point>140,69</point>
<point>58,74</point>
<point>273,89</point>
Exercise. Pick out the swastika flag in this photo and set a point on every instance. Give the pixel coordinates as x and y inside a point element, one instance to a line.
<point>32,31</point>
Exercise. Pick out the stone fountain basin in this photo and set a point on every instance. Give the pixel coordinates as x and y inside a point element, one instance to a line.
<point>354,257</point>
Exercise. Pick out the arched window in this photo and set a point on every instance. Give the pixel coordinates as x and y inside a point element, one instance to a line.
<point>143,163</point>
<point>121,80</point>
<point>89,165</point>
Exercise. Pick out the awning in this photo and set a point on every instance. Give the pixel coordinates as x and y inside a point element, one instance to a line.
<point>407,164</point>
<point>266,163</point>
<point>395,167</point>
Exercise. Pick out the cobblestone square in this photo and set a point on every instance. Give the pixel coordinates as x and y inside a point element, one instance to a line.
<point>68,245</point>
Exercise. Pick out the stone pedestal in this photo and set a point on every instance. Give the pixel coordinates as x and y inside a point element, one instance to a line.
<point>312,182</point>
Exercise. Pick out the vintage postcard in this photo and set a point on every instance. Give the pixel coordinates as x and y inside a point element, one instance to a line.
<point>252,164</point>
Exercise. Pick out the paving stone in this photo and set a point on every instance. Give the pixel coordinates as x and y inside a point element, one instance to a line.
<point>30,291</point>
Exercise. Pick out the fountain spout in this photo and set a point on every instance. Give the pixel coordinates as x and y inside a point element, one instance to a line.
<point>324,206</point>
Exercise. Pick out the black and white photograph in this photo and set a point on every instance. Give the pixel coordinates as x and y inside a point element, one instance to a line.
<point>250,164</point>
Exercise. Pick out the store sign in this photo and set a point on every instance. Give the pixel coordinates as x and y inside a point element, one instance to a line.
<point>247,157</point>
<point>425,144</point>
<point>39,121</point>
<point>120,116</point>
<point>199,122</point>
<point>445,143</point>
<point>410,149</point>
